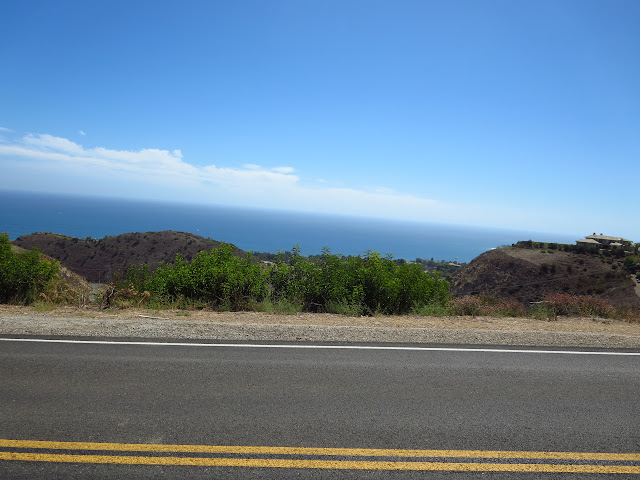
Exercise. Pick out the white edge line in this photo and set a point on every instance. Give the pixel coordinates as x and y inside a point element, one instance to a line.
<point>331,347</point>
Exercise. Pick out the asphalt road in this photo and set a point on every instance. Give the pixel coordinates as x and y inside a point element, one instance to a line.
<point>460,406</point>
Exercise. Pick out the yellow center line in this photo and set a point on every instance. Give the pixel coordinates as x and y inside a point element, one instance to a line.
<point>356,452</point>
<point>322,464</point>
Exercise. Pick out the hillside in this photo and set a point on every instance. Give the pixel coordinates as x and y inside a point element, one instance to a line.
<point>529,274</point>
<point>98,260</point>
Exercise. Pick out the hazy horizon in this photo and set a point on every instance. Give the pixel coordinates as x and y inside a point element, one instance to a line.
<point>254,229</point>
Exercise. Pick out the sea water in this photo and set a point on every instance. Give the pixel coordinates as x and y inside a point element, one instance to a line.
<point>23,213</point>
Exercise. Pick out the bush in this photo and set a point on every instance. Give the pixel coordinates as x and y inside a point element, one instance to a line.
<point>281,306</point>
<point>627,313</point>
<point>473,305</point>
<point>542,311</point>
<point>217,278</point>
<point>469,305</point>
<point>24,276</point>
<point>328,283</point>
<point>431,310</point>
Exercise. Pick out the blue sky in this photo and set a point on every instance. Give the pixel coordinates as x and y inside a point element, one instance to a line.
<point>508,114</point>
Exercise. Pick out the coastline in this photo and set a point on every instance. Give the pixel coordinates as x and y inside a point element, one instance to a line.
<point>252,229</point>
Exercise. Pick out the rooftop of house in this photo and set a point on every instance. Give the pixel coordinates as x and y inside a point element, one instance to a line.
<point>602,237</point>
<point>589,241</point>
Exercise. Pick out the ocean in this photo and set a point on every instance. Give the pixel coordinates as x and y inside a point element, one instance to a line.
<point>23,213</point>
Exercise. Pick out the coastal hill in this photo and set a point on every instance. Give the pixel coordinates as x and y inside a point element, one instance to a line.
<point>528,274</point>
<point>527,271</point>
<point>98,260</point>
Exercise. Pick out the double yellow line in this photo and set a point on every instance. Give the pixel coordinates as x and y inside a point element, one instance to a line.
<point>487,461</point>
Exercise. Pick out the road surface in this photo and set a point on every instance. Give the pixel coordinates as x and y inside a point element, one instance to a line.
<point>152,409</point>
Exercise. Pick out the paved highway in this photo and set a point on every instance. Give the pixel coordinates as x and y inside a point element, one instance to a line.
<point>145,410</point>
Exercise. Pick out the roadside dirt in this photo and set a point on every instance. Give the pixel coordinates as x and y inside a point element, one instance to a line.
<point>562,324</point>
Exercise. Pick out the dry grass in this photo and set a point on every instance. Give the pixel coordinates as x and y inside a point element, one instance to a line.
<point>551,307</point>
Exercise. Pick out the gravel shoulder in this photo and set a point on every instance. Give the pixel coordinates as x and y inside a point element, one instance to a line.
<point>256,326</point>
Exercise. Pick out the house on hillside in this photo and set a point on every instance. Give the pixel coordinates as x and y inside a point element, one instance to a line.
<point>604,241</point>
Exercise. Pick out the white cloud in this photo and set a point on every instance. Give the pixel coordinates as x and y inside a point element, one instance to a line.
<point>146,165</point>
<point>51,143</point>
<point>4,129</point>
<point>151,173</point>
<point>283,169</point>
<point>82,132</point>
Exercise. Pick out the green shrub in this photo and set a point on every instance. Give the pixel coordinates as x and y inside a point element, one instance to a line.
<point>328,283</point>
<point>217,278</point>
<point>345,308</point>
<point>472,305</point>
<point>542,311</point>
<point>431,310</point>
<point>469,305</point>
<point>281,306</point>
<point>23,276</point>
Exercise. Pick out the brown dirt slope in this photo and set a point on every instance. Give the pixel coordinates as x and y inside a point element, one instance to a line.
<point>98,260</point>
<point>530,274</point>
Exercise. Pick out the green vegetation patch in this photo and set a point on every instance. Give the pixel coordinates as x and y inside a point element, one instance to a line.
<point>23,276</point>
<point>219,279</point>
